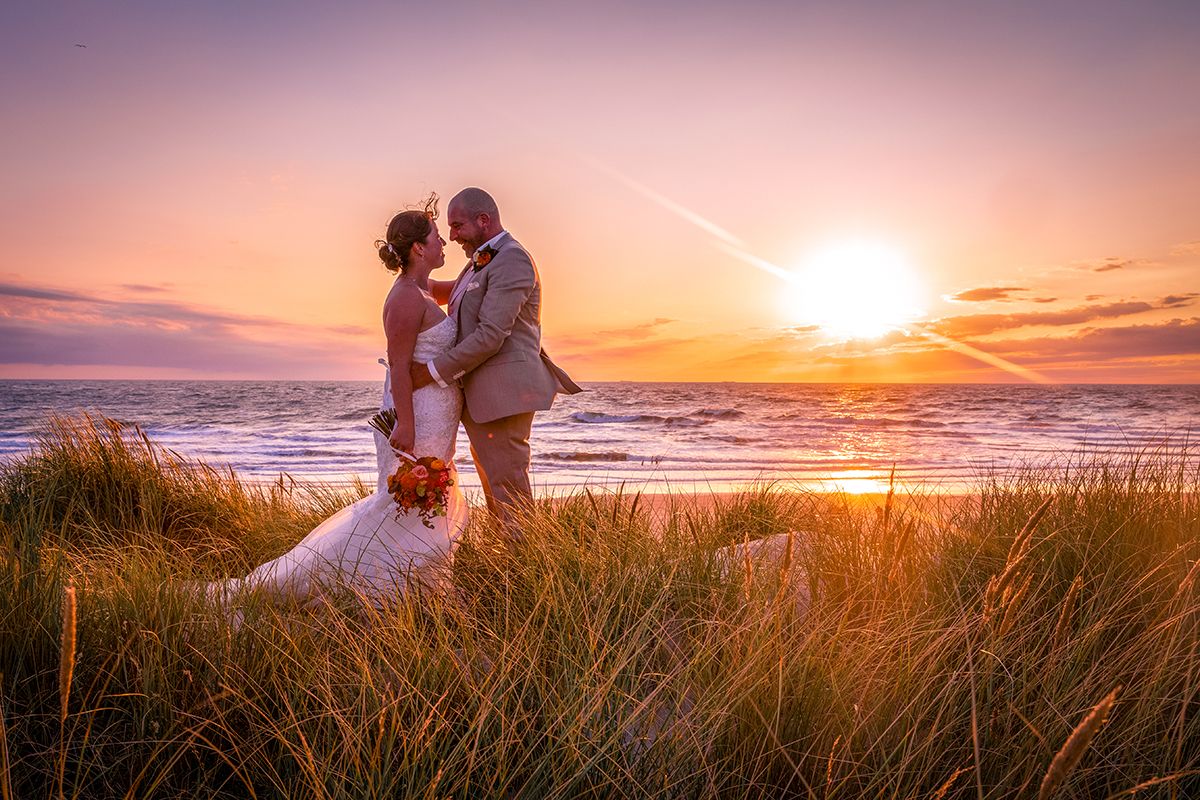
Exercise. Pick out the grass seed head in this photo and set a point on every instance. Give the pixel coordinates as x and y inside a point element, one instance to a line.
<point>1075,746</point>
<point>66,665</point>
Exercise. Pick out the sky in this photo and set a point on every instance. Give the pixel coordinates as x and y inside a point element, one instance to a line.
<point>762,191</point>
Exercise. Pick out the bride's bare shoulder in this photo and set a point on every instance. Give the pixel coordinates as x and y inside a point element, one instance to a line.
<point>409,306</point>
<point>404,303</point>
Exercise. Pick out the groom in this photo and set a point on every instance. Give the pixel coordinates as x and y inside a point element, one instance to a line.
<point>497,359</point>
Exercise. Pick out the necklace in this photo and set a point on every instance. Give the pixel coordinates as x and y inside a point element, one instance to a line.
<point>423,289</point>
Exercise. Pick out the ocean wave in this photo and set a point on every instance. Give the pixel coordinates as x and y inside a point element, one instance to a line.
<point>598,418</point>
<point>657,432</point>
<point>891,422</point>
<point>364,413</point>
<point>720,413</point>
<point>585,456</point>
<point>869,422</point>
<point>310,452</point>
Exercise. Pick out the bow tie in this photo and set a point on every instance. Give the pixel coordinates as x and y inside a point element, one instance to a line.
<point>482,257</point>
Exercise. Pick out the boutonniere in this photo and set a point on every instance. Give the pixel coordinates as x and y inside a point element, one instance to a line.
<point>482,257</point>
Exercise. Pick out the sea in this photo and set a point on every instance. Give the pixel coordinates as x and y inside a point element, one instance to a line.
<point>653,437</point>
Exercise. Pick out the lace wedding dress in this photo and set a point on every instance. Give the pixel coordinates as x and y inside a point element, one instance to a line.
<point>365,545</point>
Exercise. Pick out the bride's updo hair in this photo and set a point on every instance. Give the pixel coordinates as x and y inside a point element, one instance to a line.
<point>405,229</point>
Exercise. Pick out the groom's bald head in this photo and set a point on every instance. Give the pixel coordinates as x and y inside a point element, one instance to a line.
<point>476,201</point>
<point>473,218</point>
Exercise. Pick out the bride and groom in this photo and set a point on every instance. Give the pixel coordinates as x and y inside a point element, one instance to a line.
<point>479,362</point>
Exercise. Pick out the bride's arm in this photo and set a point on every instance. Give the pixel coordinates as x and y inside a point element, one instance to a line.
<point>402,315</point>
<point>441,291</point>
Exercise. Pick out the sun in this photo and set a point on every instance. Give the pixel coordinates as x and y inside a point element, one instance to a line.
<point>855,290</point>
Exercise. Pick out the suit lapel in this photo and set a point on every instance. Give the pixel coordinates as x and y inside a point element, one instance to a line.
<point>468,273</point>
<point>458,290</point>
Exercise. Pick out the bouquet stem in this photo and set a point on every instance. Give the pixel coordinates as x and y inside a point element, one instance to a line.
<point>384,421</point>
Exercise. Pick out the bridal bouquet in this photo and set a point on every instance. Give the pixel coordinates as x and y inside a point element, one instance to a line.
<point>420,484</point>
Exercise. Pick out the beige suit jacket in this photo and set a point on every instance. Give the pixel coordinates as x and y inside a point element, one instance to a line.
<point>499,360</point>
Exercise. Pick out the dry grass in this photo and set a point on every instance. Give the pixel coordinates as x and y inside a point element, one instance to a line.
<point>911,650</point>
<point>1077,743</point>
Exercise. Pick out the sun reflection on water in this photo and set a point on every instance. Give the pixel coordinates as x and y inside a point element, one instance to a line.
<point>857,483</point>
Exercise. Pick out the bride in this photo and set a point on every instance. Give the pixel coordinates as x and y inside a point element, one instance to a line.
<point>367,545</point>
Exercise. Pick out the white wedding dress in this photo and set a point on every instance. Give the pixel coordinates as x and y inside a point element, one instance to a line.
<point>365,546</point>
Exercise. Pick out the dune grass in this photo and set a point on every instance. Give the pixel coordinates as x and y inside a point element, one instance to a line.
<point>1040,636</point>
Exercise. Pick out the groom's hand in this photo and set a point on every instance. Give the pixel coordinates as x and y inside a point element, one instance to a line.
<point>420,375</point>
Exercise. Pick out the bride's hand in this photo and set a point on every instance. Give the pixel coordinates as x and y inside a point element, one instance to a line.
<point>402,437</point>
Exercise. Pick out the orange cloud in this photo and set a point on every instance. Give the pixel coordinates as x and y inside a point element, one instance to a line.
<point>643,331</point>
<point>1159,352</point>
<point>970,326</point>
<point>1172,338</point>
<point>1179,300</point>
<point>986,293</point>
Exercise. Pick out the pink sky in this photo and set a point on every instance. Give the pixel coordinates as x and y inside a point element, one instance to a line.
<point>196,191</point>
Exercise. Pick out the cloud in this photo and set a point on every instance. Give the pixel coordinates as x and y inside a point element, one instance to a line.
<point>729,355</point>
<point>1112,263</point>
<point>572,348</point>
<point>986,293</point>
<point>966,327</point>
<point>892,340</point>
<point>42,326</point>
<point>1152,352</point>
<point>659,359</point>
<point>36,293</point>
<point>1187,249</point>
<point>162,314</point>
<point>1175,337</point>
<point>143,288</point>
<point>1179,300</point>
<point>350,330</point>
<point>643,331</point>
<point>201,352</point>
<point>1002,294</point>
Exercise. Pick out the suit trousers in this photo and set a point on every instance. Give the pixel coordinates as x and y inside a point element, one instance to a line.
<point>500,450</point>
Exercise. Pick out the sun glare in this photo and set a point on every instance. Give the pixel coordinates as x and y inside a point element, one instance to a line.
<point>855,290</point>
<point>857,483</point>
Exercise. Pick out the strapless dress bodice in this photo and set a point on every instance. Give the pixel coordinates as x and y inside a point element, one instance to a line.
<point>436,409</point>
<point>432,342</point>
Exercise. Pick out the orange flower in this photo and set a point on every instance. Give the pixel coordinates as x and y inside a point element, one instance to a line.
<point>421,487</point>
<point>483,257</point>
